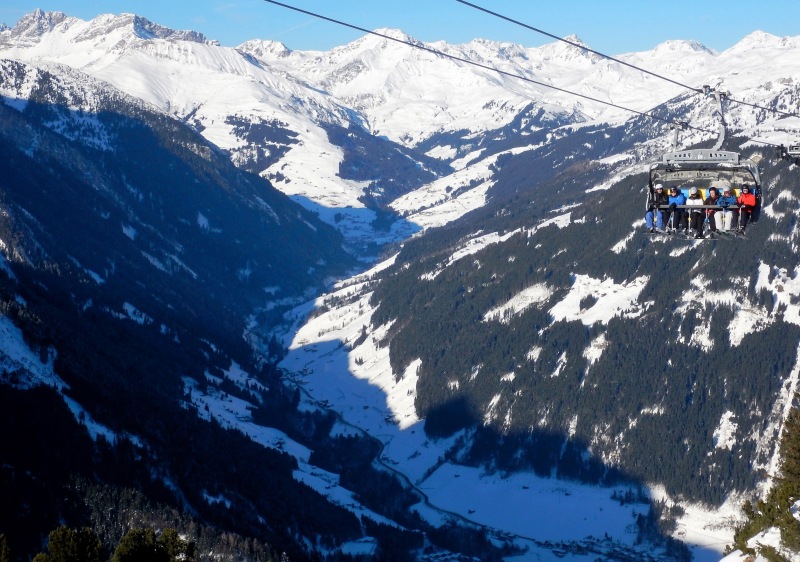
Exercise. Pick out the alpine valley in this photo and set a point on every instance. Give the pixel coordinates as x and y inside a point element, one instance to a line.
<point>379,303</point>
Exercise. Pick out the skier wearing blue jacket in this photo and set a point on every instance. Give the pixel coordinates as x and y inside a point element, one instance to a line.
<point>679,216</point>
<point>726,201</point>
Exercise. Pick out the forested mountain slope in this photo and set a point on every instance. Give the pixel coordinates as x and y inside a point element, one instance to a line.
<point>586,342</point>
<point>134,257</point>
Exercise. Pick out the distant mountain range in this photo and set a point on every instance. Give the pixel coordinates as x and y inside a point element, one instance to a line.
<point>174,216</point>
<point>272,108</point>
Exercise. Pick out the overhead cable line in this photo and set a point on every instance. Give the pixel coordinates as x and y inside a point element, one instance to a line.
<point>587,49</point>
<point>490,68</point>
<point>583,47</point>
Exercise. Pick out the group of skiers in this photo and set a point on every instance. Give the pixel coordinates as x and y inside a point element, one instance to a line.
<point>674,210</point>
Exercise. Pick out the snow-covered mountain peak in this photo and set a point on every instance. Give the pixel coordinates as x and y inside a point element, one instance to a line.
<point>573,52</point>
<point>393,33</point>
<point>377,40</point>
<point>39,26</point>
<point>575,39</point>
<point>148,30</point>
<point>677,46</point>
<point>758,40</point>
<point>264,49</point>
<point>33,26</point>
<point>485,50</point>
<point>137,27</point>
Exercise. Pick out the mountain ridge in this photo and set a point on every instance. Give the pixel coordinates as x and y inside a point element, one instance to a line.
<point>511,339</point>
<point>382,113</point>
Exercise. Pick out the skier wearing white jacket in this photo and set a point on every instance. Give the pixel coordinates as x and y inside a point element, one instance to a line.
<point>696,216</point>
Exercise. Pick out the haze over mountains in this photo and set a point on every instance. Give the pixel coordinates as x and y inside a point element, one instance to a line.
<point>519,375</point>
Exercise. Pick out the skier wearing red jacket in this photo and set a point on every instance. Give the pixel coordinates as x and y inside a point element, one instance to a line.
<point>746,202</point>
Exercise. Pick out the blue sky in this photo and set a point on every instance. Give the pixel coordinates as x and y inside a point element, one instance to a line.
<point>611,27</point>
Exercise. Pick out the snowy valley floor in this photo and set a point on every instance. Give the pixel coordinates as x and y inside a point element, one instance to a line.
<point>355,380</point>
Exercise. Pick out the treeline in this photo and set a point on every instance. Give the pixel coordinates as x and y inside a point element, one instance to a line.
<point>137,545</point>
<point>66,544</point>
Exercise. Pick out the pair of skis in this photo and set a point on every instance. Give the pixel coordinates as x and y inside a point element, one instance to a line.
<point>732,233</point>
<point>712,235</point>
<point>671,233</point>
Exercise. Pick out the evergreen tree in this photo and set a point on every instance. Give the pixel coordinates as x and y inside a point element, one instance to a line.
<point>5,550</point>
<point>70,545</point>
<point>141,545</point>
<point>775,510</point>
<point>177,548</point>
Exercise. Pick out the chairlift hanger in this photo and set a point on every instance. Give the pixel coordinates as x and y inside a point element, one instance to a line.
<point>792,152</point>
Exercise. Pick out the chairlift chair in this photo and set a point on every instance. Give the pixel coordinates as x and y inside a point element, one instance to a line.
<point>793,153</point>
<point>705,168</point>
<point>790,153</point>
